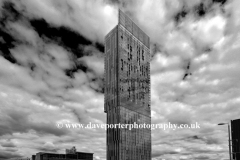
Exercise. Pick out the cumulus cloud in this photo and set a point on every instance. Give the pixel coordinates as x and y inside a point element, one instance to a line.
<point>93,19</point>
<point>48,147</point>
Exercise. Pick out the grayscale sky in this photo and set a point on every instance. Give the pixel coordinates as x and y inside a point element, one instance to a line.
<point>51,70</point>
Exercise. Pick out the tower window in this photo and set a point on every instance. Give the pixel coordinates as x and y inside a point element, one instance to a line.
<point>122,64</point>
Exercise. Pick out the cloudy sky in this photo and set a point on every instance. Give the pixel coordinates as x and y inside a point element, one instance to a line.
<point>51,70</point>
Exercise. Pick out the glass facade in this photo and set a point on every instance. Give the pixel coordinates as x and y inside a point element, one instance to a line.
<point>127,91</point>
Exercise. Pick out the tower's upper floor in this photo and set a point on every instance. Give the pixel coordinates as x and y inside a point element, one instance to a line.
<point>127,67</point>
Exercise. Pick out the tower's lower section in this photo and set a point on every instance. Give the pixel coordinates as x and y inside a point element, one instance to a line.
<point>126,144</point>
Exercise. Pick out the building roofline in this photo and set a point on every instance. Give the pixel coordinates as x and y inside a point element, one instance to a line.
<point>62,153</point>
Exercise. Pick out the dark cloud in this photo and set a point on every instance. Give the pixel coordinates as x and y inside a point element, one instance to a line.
<point>206,139</point>
<point>100,47</point>
<point>187,70</point>
<point>202,157</point>
<point>205,7</point>
<point>4,155</point>
<point>11,149</point>
<point>222,2</point>
<point>9,12</point>
<point>155,49</point>
<point>181,15</point>
<point>64,36</point>
<point>20,122</point>
<point>8,144</point>
<point>201,9</point>
<point>77,115</point>
<point>75,69</point>
<point>207,49</point>
<point>97,84</point>
<point>162,153</point>
<point>115,1</point>
<point>5,45</point>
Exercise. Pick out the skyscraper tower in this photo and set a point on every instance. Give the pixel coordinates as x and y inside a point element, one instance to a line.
<point>127,90</point>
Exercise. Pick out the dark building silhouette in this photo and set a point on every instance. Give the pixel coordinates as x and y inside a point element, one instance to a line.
<point>127,90</point>
<point>71,154</point>
<point>235,133</point>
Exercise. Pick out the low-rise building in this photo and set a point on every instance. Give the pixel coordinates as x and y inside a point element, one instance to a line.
<point>71,154</point>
